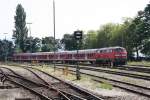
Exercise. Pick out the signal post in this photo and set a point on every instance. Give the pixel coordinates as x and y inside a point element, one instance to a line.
<point>78,37</point>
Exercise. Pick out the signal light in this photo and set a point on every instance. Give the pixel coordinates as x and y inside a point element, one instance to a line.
<point>78,34</point>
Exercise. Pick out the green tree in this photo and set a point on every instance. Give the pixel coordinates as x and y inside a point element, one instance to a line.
<point>68,42</point>
<point>32,44</point>
<point>48,44</point>
<point>136,33</point>
<point>21,31</point>
<point>126,31</point>
<point>90,40</point>
<point>6,49</point>
<point>104,35</point>
<point>145,27</point>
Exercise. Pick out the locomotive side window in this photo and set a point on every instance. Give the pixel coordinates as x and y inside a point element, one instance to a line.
<point>105,51</point>
<point>119,50</point>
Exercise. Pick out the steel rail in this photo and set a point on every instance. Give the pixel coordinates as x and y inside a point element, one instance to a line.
<point>107,79</point>
<point>37,76</point>
<point>133,68</point>
<point>137,68</point>
<point>71,95</point>
<point>90,95</point>
<point>39,85</point>
<point>35,83</point>
<point>18,75</point>
<point>140,65</point>
<point>31,90</point>
<point>144,77</point>
<point>49,85</point>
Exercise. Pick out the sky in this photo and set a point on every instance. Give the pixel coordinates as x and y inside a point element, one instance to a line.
<point>71,15</point>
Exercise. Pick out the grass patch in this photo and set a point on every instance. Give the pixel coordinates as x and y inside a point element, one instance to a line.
<point>105,85</point>
<point>144,63</point>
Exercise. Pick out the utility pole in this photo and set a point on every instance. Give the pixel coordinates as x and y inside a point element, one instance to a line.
<point>6,48</point>
<point>54,33</point>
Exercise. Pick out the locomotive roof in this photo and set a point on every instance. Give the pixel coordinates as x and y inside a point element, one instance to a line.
<point>111,48</point>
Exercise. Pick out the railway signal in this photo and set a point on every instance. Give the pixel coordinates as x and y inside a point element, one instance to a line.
<point>78,37</point>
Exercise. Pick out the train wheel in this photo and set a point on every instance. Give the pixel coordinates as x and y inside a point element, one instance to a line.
<point>111,64</point>
<point>91,62</point>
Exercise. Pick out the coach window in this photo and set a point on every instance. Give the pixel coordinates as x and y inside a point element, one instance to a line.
<point>82,55</point>
<point>69,55</point>
<point>109,51</point>
<point>88,55</point>
<point>91,54</point>
<point>104,51</point>
<point>100,51</point>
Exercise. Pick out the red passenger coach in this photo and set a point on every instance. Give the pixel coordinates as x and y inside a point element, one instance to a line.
<point>110,55</point>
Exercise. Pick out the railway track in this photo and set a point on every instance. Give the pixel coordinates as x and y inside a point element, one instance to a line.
<point>87,95</point>
<point>136,68</point>
<point>49,90</point>
<point>138,76</point>
<point>144,91</point>
<point>140,65</point>
<point>25,83</point>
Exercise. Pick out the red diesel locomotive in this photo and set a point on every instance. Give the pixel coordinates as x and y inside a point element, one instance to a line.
<point>110,55</point>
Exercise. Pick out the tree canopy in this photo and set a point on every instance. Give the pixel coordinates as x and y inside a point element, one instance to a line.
<point>21,31</point>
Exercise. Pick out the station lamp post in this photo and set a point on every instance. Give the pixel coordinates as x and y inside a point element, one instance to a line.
<point>30,40</point>
<point>78,37</point>
<point>6,49</point>
<point>30,36</point>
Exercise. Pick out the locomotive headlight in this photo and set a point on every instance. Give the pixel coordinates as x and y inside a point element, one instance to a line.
<point>118,55</point>
<point>123,54</point>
